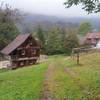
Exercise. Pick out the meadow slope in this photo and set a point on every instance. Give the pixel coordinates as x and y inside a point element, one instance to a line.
<point>59,78</point>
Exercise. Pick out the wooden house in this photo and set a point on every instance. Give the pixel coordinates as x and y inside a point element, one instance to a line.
<point>23,51</point>
<point>92,38</point>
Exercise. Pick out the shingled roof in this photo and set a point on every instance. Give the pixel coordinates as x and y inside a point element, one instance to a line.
<point>15,43</point>
<point>93,35</point>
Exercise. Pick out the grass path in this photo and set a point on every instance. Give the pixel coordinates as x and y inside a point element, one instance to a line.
<point>66,83</point>
<point>75,77</point>
<point>46,93</point>
<point>57,84</point>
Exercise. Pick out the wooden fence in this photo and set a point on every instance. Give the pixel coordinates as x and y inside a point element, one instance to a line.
<point>77,52</point>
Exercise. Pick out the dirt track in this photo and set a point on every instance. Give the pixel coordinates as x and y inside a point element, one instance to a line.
<point>46,93</point>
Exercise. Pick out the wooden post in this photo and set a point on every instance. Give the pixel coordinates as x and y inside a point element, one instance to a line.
<point>72,55</point>
<point>78,58</point>
<point>76,52</point>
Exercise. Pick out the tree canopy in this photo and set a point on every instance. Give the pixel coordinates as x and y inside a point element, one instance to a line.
<point>84,28</point>
<point>71,40</point>
<point>53,43</point>
<point>41,37</point>
<point>8,29</point>
<point>91,6</point>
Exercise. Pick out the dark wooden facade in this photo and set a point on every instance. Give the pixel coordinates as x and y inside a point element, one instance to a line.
<point>92,38</point>
<point>25,53</point>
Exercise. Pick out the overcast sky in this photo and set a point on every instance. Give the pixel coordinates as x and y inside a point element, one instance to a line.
<point>48,7</point>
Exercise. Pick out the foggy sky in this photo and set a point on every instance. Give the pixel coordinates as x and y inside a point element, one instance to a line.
<point>48,7</point>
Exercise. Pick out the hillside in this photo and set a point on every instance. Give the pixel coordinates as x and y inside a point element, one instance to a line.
<point>31,21</point>
<point>59,78</point>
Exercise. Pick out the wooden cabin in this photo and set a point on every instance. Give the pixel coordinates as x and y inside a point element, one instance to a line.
<point>23,51</point>
<point>92,38</point>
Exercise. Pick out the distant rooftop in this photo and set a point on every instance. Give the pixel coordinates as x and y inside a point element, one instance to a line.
<point>93,35</point>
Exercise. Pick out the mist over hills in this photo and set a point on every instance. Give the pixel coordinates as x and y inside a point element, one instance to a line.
<point>30,22</point>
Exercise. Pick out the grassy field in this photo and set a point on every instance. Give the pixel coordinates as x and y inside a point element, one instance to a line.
<point>22,84</point>
<point>59,78</point>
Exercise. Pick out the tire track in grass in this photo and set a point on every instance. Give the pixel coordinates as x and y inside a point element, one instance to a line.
<point>79,83</point>
<point>55,85</point>
<point>47,94</point>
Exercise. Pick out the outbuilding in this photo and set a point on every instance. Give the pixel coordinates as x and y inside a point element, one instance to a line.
<point>92,38</point>
<point>24,50</point>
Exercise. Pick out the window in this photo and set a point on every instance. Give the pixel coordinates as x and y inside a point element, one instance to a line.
<point>89,39</point>
<point>33,52</point>
<point>30,43</point>
<point>23,52</point>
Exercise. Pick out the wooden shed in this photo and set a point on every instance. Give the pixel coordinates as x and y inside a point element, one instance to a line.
<point>92,38</point>
<point>24,50</point>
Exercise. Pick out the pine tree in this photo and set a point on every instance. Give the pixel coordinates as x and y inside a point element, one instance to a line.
<point>54,42</point>
<point>8,29</point>
<point>84,28</point>
<point>71,42</point>
<point>40,36</point>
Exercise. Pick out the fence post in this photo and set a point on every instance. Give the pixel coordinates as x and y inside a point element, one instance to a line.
<point>72,54</point>
<point>78,58</point>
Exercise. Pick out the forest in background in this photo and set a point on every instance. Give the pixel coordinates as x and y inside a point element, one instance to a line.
<point>56,37</point>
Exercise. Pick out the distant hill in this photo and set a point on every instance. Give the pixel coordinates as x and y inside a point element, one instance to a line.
<point>31,21</point>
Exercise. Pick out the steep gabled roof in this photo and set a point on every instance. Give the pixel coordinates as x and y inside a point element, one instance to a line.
<point>93,35</point>
<point>20,39</point>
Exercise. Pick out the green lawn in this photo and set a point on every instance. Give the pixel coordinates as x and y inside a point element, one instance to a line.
<point>66,81</point>
<point>22,84</point>
<point>3,70</point>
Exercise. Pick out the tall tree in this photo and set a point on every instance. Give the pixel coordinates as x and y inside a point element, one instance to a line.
<point>54,42</point>
<point>8,29</point>
<point>63,33</point>
<point>84,28</point>
<point>40,36</point>
<point>71,40</point>
<point>91,6</point>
